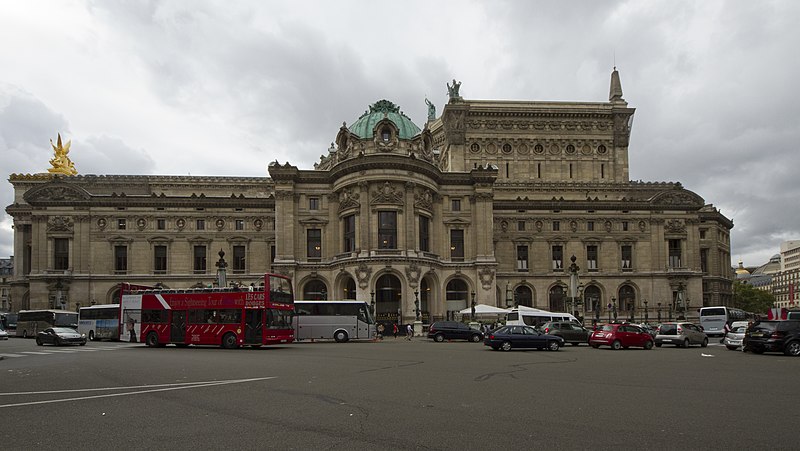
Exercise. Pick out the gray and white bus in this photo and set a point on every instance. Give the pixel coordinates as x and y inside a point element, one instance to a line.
<point>30,322</point>
<point>338,320</point>
<point>99,322</point>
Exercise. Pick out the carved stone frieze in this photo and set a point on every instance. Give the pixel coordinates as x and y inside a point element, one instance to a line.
<point>363,272</point>
<point>487,277</point>
<point>424,199</point>
<point>60,224</point>
<point>387,194</point>
<point>348,198</point>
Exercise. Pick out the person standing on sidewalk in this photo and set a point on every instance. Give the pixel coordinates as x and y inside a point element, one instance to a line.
<point>394,330</point>
<point>409,332</point>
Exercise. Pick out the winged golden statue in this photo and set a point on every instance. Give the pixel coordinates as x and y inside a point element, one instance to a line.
<point>61,162</point>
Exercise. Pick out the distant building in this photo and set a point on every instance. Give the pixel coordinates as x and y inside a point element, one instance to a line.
<point>487,203</point>
<point>790,255</point>
<point>6,273</point>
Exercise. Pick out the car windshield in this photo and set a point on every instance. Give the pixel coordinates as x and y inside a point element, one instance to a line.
<point>768,326</point>
<point>63,330</point>
<point>607,327</point>
<point>739,330</point>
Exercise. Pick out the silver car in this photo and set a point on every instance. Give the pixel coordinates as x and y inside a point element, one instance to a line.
<point>681,334</point>
<point>733,339</point>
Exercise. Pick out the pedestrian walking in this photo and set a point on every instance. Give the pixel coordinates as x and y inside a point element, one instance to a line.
<point>394,330</point>
<point>380,331</point>
<point>409,332</point>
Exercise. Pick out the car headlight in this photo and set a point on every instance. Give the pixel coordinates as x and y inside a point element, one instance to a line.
<point>83,335</point>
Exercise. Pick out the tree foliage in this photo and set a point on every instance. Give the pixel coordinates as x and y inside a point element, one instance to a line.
<point>751,299</point>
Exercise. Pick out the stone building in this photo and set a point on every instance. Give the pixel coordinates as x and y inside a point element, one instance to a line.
<point>486,203</point>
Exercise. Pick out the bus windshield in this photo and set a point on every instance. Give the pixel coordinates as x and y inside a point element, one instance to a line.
<point>66,319</point>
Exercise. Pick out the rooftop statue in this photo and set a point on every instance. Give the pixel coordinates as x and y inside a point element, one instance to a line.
<point>61,162</point>
<point>452,91</point>
<point>431,110</point>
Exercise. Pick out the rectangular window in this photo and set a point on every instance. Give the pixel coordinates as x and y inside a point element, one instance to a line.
<point>122,224</point>
<point>313,203</point>
<point>591,257</point>
<point>457,244</point>
<point>271,254</point>
<point>387,230</point>
<point>702,234</point>
<point>238,224</point>
<point>161,224</point>
<point>627,257</point>
<point>522,258</point>
<point>624,226</point>
<point>349,227</point>
<point>200,224</point>
<point>456,204</point>
<point>590,226</point>
<point>424,234</point>
<point>61,253</point>
<point>675,253</point>
<point>120,259</point>
<point>238,259</point>
<point>314,243</point>
<point>704,260</point>
<point>199,259</point>
<point>520,226</point>
<point>160,259</point>
<point>558,257</point>
<point>556,226</point>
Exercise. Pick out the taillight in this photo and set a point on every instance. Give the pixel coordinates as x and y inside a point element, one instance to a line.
<point>776,334</point>
<point>491,336</point>
<point>546,330</point>
<point>680,330</point>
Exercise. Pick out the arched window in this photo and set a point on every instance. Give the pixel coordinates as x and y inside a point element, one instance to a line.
<point>387,299</point>
<point>627,298</point>
<point>457,295</point>
<point>350,289</point>
<point>386,134</point>
<point>315,291</point>
<point>591,296</point>
<point>524,296</point>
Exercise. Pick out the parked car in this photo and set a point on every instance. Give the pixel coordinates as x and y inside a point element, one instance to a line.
<point>681,334</point>
<point>453,330</point>
<point>774,336</point>
<point>507,338</point>
<point>60,336</point>
<point>3,334</point>
<point>733,338</point>
<point>649,328</point>
<point>568,330</point>
<point>619,336</point>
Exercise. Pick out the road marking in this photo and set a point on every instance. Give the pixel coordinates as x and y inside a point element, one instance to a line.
<point>166,387</point>
<point>35,353</point>
<point>11,355</point>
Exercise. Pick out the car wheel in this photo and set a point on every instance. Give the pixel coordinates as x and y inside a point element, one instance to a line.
<point>595,346</point>
<point>39,341</point>
<point>340,336</point>
<point>616,345</point>
<point>658,345</point>
<point>732,348</point>
<point>792,348</point>
<point>648,345</point>
<point>686,343</point>
<point>475,338</point>
<point>438,338</point>
<point>229,341</point>
<point>704,343</point>
<point>151,340</point>
<point>553,346</point>
<point>506,346</point>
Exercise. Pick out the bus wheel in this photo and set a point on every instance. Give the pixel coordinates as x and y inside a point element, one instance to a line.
<point>151,340</point>
<point>340,336</point>
<point>229,341</point>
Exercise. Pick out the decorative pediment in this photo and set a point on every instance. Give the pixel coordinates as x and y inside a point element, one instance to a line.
<point>59,224</point>
<point>388,194</point>
<point>348,198</point>
<point>424,199</point>
<point>675,226</point>
<point>313,222</point>
<point>56,193</point>
<point>680,198</point>
<point>119,239</point>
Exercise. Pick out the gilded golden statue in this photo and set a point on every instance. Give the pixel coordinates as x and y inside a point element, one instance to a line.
<point>61,162</point>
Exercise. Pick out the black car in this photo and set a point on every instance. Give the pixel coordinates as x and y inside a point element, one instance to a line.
<point>773,336</point>
<point>453,330</point>
<point>568,330</point>
<point>60,336</point>
<point>507,338</point>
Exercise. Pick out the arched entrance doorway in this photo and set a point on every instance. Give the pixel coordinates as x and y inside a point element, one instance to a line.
<point>457,296</point>
<point>425,301</point>
<point>387,300</point>
<point>557,299</point>
<point>524,296</point>
<point>315,290</point>
<point>627,300</point>
<point>592,301</point>
<point>349,288</point>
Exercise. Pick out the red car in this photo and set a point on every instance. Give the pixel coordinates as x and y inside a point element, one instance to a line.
<point>620,336</point>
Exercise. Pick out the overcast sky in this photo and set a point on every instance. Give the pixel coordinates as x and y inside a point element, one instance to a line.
<point>225,87</point>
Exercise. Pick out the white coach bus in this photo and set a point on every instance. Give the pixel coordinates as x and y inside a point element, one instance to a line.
<point>338,320</point>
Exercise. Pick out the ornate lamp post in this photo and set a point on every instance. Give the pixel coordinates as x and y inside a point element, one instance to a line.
<point>659,312</point>
<point>222,279</point>
<point>646,316</point>
<point>416,303</point>
<point>614,307</point>
<point>679,298</point>
<point>372,302</point>
<point>573,284</point>
<point>472,305</point>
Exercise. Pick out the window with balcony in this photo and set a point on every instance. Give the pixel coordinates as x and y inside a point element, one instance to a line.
<point>349,228</point>
<point>387,230</point>
<point>61,254</point>
<point>457,244</point>
<point>314,243</point>
<point>199,259</point>
<point>558,257</point>
<point>522,258</point>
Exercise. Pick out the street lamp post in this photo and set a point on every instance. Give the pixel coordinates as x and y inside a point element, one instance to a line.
<point>472,308</point>
<point>372,302</point>
<point>416,304</point>
<point>609,311</point>
<point>659,312</point>
<point>680,307</point>
<point>646,316</point>
<point>573,284</point>
<point>614,307</point>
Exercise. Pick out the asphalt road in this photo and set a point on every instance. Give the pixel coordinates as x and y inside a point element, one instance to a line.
<point>393,394</point>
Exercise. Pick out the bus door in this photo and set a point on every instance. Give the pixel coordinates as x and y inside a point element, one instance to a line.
<point>253,326</point>
<point>177,328</point>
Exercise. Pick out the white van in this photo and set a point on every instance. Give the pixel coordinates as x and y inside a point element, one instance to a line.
<point>529,316</point>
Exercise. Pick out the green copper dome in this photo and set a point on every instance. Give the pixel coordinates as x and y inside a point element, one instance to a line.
<point>365,125</point>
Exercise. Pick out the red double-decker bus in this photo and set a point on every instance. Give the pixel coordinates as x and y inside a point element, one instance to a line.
<point>228,317</point>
